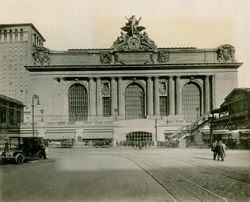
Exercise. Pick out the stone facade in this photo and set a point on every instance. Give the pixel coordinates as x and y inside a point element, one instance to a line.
<point>132,86</point>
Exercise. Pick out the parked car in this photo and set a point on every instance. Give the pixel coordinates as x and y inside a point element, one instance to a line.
<point>23,148</point>
<point>103,143</point>
<point>68,143</point>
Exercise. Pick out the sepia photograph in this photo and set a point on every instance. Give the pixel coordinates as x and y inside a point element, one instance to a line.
<point>124,101</point>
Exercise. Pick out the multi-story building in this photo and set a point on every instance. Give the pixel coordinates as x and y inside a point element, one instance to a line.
<point>17,43</point>
<point>231,122</point>
<point>11,116</point>
<point>132,91</point>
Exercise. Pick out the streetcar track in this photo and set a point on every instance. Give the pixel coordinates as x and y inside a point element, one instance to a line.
<point>193,183</point>
<point>215,170</point>
<point>179,184</point>
<point>207,167</point>
<point>174,181</point>
<point>148,173</point>
<point>196,186</point>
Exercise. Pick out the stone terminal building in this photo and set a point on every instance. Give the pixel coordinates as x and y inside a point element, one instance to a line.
<point>133,91</point>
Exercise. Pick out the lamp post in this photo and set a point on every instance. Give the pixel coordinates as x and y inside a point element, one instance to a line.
<point>34,97</point>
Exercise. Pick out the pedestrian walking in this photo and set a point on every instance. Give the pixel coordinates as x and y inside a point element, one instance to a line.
<point>221,150</point>
<point>214,149</point>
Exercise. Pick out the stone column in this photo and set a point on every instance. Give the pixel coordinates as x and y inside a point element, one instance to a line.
<point>121,106</point>
<point>171,96</point>
<point>213,92</point>
<point>8,113</point>
<point>149,96</point>
<point>114,96</point>
<point>92,97</point>
<point>207,95</point>
<point>156,96</point>
<point>98,97</point>
<point>178,97</point>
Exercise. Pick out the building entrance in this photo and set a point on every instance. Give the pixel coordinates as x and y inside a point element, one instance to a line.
<point>139,137</point>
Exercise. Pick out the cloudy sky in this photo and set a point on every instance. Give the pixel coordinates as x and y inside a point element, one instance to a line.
<point>170,23</point>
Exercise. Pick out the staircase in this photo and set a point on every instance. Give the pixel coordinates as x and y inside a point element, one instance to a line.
<point>194,129</point>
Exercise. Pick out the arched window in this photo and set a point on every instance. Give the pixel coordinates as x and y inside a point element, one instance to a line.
<point>134,102</point>
<point>16,35</point>
<point>21,35</point>
<point>5,35</point>
<point>78,103</point>
<point>191,102</point>
<point>10,33</point>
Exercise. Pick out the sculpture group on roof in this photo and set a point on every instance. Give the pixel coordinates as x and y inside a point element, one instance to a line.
<point>131,37</point>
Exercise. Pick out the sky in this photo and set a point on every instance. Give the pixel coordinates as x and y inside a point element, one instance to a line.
<point>84,24</point>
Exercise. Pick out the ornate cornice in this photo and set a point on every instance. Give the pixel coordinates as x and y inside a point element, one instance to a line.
<point>194,66</point>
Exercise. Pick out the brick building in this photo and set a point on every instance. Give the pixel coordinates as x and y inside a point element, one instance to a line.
<point>231,122</point>
<point>11,116</point>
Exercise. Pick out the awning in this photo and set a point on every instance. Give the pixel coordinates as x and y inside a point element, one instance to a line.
<point>220,132</point>
<point>98,134</point>
<point>59,136</point>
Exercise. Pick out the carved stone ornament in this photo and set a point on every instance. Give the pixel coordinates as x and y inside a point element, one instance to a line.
<point>41,56</point>
<point>163,87</point>
<point>105,58</point>
<point>106,88</point>
<point>225,53</point>
<point>163,57</point>
<point>132,39</point>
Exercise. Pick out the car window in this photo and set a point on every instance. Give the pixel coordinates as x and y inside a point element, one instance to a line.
<point>14,143</point>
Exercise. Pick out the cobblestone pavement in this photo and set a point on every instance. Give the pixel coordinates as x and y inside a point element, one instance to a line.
<point>129,174</point>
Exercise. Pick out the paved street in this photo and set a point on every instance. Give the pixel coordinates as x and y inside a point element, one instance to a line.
<point>128,174</point>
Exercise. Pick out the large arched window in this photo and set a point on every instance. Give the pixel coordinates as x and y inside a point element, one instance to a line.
<point>78,103</point>
<point>191,102</point>
<point>134,102</point>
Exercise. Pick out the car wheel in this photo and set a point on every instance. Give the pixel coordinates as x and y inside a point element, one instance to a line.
<point>39,155</point>
<point>19,158</point>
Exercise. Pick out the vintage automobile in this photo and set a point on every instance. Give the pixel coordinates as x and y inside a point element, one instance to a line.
<point>23,148</point>
<point>103,143</point>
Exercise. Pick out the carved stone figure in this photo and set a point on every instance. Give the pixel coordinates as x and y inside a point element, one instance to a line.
<point>131,39</point>
<point>105,88</point>
<point>105,58</point>
<point>225,53</point>
<point>41,56</point>
<point>163,57</point>
<point>163,87</point>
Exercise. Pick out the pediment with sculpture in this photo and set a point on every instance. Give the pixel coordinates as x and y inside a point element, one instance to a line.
<point>132,38</point>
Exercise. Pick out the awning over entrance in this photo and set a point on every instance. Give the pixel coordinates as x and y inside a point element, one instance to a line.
<point>59,136</point>
<point>220,132</point>
<point>98,134</point>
